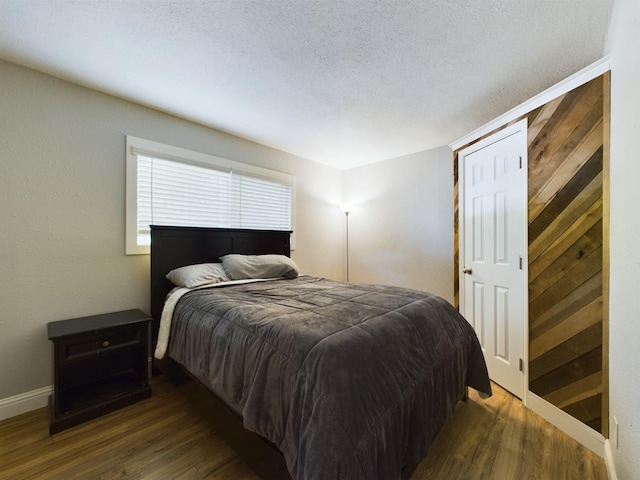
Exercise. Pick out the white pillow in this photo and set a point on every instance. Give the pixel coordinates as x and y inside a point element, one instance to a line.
<point>239,267</point>
<point>191,276</point>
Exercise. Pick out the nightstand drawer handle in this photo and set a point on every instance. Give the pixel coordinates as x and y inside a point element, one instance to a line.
<point>105,343</point>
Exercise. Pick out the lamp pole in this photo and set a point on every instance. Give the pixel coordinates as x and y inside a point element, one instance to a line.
<point>346,219</point>
<point>347,208</point>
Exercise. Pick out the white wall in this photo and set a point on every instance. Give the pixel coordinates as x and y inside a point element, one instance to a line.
<point>62,181</point>
<point>624,374</point>
<point>401,232</point>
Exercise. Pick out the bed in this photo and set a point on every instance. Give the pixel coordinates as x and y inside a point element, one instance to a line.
<point>306,377</point>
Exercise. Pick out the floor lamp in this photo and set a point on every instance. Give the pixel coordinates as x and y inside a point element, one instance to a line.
<point>346,209</point>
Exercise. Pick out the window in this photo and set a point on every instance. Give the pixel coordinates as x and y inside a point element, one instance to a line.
<point>172,186</point>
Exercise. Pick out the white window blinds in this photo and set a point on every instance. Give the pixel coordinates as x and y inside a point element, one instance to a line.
<point>183,192</point>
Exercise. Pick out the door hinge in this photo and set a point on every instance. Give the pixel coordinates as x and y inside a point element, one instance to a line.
<point>521,365</point>
<point>520,262</point>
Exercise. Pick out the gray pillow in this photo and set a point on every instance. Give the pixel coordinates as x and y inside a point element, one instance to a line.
<point>191,276</point>
<point>239,267</point>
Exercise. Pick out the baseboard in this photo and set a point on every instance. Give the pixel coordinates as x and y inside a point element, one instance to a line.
<point>25,402</point>
<point>611,471</point>
<point>587,436</point>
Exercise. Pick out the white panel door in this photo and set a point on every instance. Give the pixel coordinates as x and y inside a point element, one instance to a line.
<point>493,208</point>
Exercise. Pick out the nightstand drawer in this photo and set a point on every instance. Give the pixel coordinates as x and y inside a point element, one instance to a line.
<point>95,343</point>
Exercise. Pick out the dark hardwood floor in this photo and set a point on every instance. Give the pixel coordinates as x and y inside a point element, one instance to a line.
<point>164,438</point>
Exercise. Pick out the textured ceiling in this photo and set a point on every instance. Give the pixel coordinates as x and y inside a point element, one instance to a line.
<point>341,82</point>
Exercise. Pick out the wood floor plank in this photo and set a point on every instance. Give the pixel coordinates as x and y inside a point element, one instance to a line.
<point>102,436</point>
<point>499,439</point>
<point>163,437</point>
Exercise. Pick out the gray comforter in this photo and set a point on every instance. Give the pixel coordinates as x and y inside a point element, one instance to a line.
<point>350,381</point>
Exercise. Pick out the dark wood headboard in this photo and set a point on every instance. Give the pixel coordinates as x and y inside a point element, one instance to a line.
<point>173,247</point>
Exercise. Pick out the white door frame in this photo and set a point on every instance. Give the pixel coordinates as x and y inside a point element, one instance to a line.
<point>506,132</point>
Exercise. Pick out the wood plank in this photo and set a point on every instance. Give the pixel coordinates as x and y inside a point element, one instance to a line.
<point>554,447</point>
<point>18,432</point>
<point>577,391</point>
<point>568,136</point>
<point>585,341</point>
<point>503,461</point>
<point>606,87</point>
<point>572,189</point>
<point>589,266</point>
<point>485,441</point>
<point>138,431</point>
<point>538,120</point>
<point>574,105</point>
<point>580,210</point>
<point>586,249</point>
<point>176,460</point>
<point>110,468</point>
<point>559,174</point>
<point>595,424</point>
<point>587,364</point>
<point>547,151</point>
<point>587,411</point>
<point>576,323</point>
<point>570,243</point>
<point>572,303</point>
<point>548,141</point>
<point>64,450</point>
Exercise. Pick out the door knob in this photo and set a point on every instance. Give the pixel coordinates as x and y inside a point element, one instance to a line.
<point>468,271</point>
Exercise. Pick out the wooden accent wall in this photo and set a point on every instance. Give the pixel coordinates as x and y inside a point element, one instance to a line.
<point>567,244</point>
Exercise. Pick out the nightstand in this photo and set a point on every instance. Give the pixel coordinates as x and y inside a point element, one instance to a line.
<point>100,364</point>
